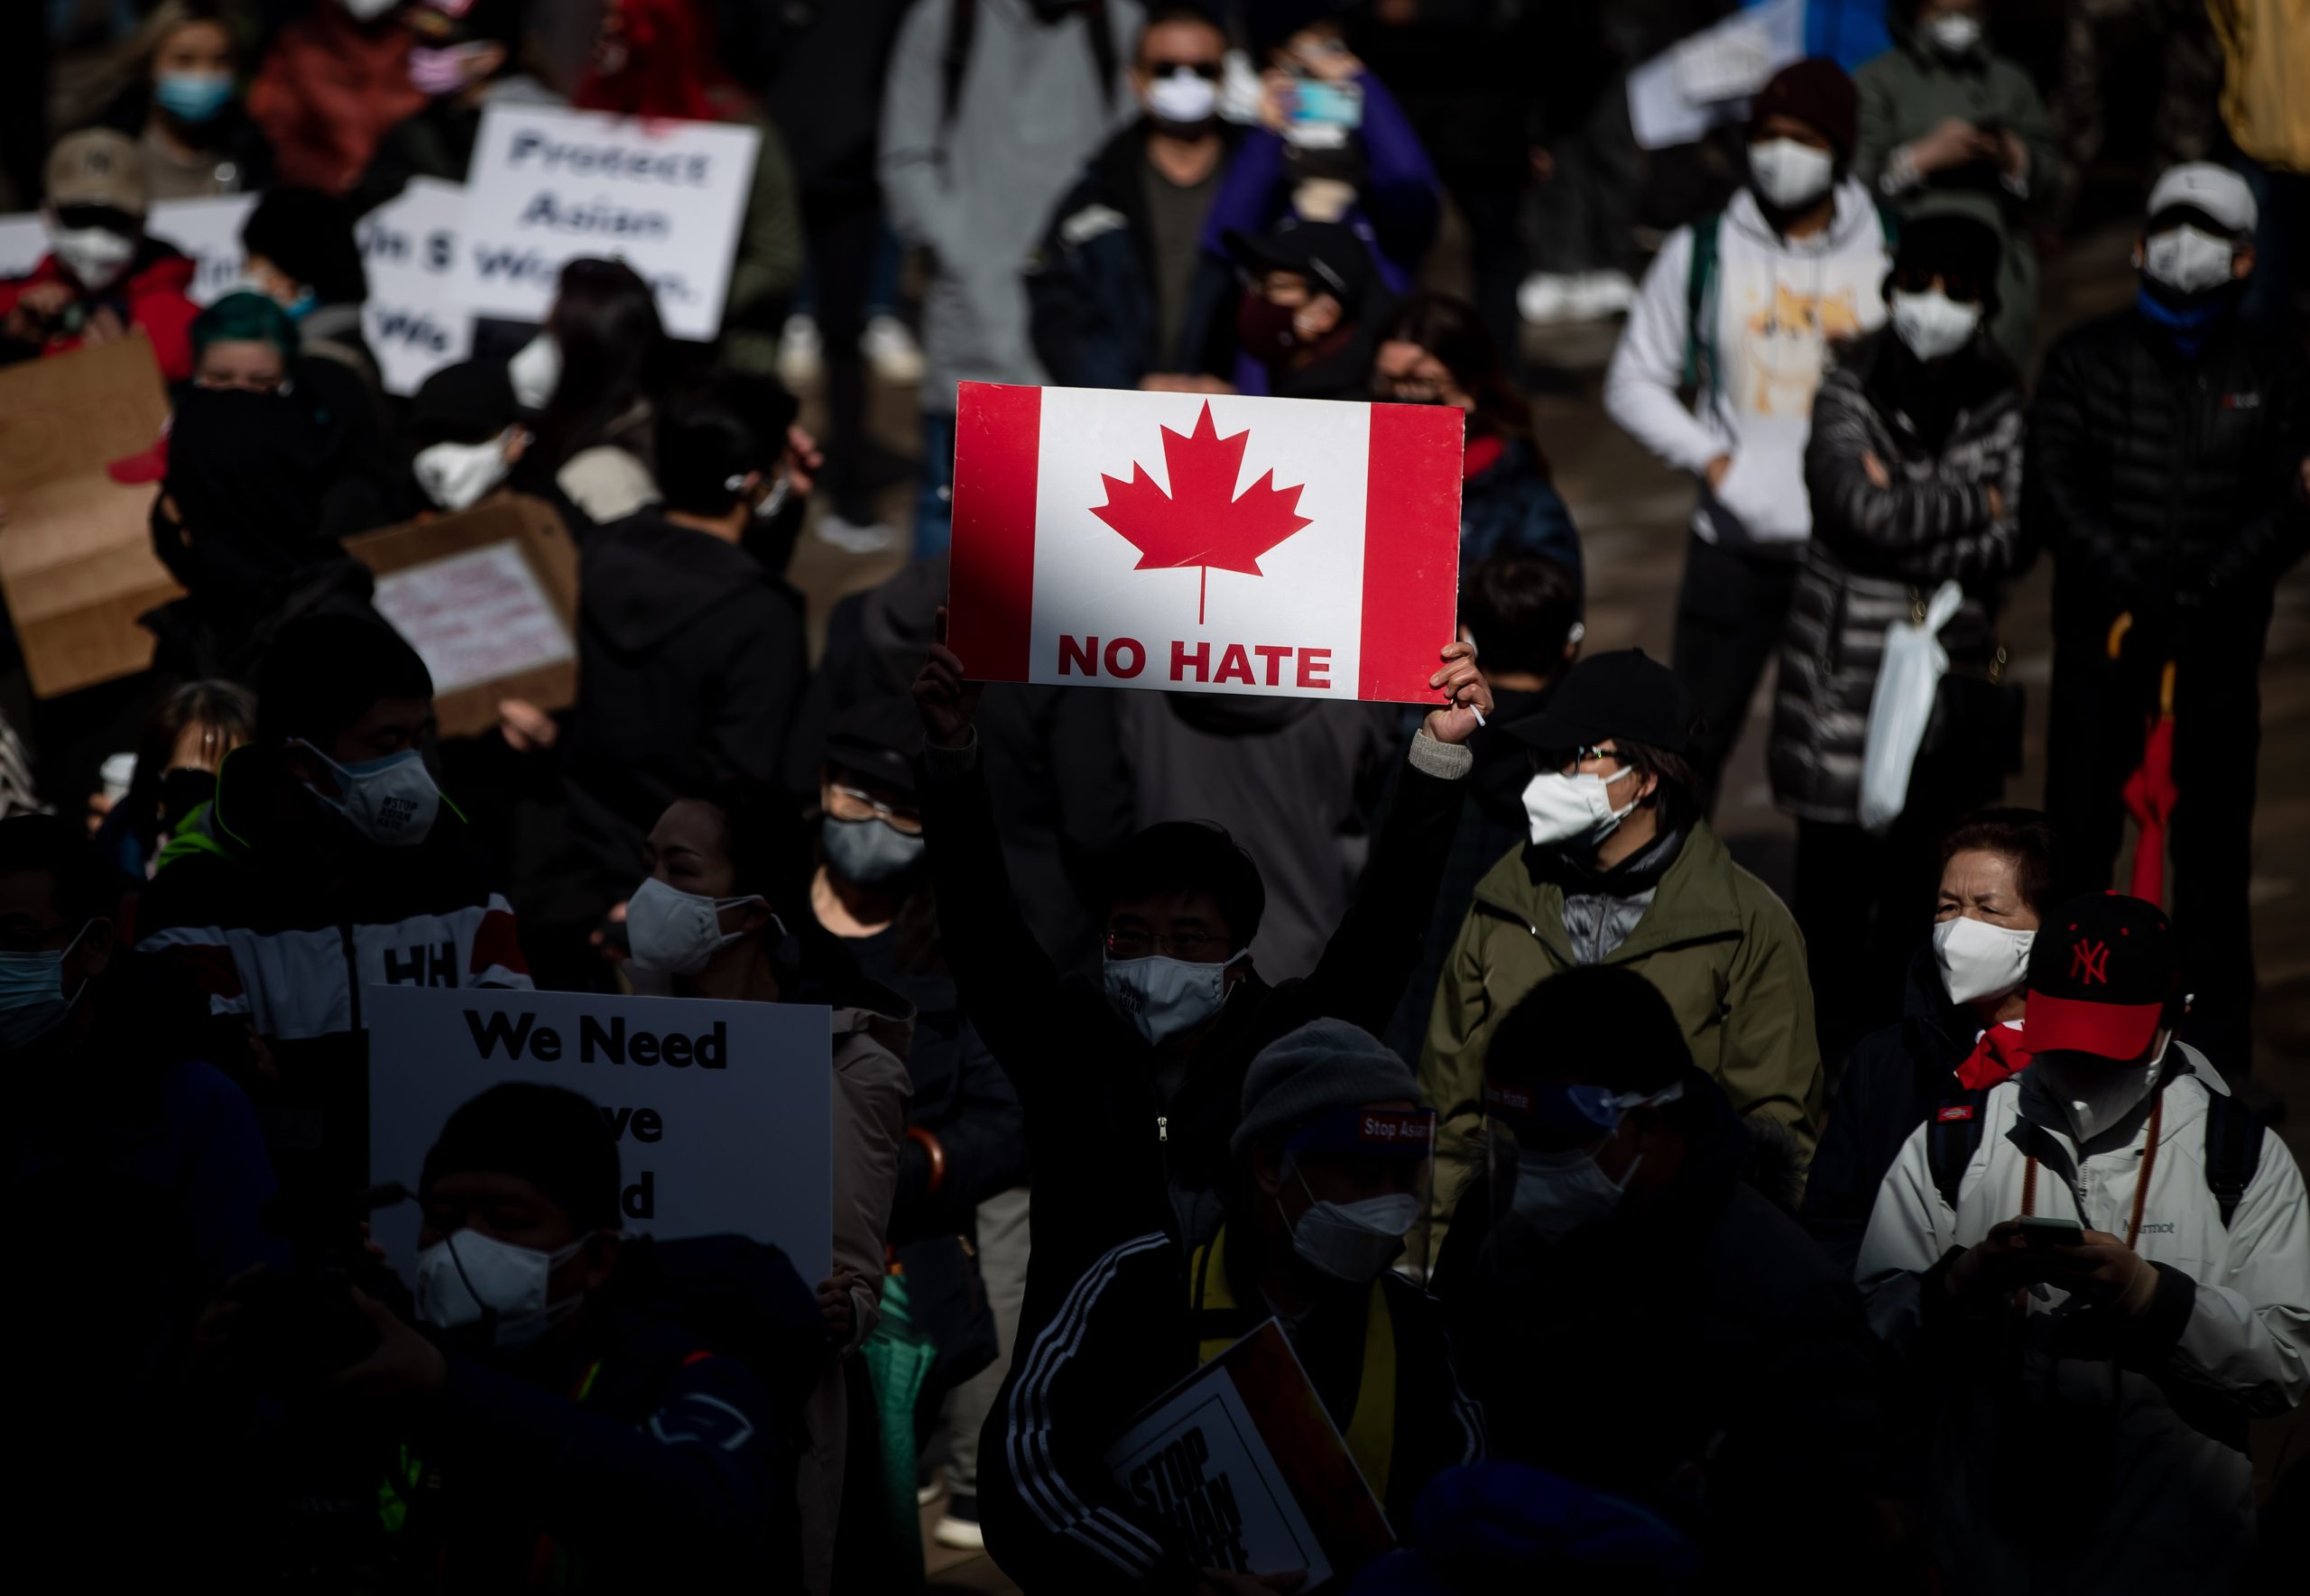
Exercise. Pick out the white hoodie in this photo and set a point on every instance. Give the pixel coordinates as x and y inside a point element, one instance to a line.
<point>2128,1452</point>
<point>1779,304</point>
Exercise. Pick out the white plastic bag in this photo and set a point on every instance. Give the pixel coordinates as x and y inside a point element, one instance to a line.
<point>1901,708</point>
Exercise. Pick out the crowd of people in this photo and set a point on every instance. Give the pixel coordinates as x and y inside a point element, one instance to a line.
<point>1703,1248</point>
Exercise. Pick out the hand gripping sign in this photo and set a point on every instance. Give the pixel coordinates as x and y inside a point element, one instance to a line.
<point>1204,543</point>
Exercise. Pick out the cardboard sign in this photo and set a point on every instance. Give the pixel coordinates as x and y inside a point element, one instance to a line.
<point>1244,1470</point>
<point>723,1113</point>
<point>209,231</point>
<point>547,186</point>
<point>414,318</point>
<point>1218,545</point>
<point>76,554</point>
<point>488,599</point>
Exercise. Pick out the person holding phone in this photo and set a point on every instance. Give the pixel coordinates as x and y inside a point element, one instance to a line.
<point>2085,1367</point>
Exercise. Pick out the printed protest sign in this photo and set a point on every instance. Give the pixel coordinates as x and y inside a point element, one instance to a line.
<point>722,1111</point>
<point>1229,545</point>
<point>549,185</point>
<point>1240,1468</point>
<point>415,316</point>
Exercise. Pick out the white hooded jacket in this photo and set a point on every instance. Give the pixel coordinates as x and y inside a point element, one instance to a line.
<point>2075,1453</point>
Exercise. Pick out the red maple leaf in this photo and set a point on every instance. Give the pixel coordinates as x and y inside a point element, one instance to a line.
<point>1201,522</point>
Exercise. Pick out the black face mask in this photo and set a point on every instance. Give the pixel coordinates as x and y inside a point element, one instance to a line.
<point>183,791</point>
<point>1264,328</point>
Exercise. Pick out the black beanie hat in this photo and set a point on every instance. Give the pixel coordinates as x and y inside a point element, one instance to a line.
<point>549,1136</point>
<point>309,234</point>
<point>1953,244</point>
<point>1816,92</point>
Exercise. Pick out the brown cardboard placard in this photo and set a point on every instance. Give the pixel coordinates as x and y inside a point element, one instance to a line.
<point>489,597</point>
<point>76,553</point>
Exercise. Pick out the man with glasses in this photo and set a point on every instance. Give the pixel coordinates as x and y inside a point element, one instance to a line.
<point>1133,1086</point>
<point>1620,869</point>
<point>1121,294</point>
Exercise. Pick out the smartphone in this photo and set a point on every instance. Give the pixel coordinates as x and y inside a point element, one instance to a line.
<point>1324,114</point>
<point>2052,1232</point>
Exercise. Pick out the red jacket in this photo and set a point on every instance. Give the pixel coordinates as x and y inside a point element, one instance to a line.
<point>151,295</point>
<point>329,90</point>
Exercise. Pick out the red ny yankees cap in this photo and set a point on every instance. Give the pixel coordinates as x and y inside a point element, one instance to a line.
<point>2102,974</point>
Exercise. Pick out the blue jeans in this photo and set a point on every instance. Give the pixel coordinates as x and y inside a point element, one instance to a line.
<point>934,505</point>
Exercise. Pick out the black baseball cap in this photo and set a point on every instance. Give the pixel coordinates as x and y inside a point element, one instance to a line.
<point>1328,255</point>
<point>879,739</point>
<point>1625,693</point>
<point>466,402</point>
<point>2102,974</point>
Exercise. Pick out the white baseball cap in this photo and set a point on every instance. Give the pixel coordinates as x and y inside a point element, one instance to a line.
<point>2216,190</point>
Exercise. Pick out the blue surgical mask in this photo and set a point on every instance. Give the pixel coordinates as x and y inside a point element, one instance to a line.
<point>31,994</point>
<point>868,850</point>
<point>193,96</point>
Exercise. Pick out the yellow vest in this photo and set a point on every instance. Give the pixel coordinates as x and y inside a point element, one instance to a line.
<point>1372,1429</point>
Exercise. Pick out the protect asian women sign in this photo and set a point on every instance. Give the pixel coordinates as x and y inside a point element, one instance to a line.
<point>1198,543</point>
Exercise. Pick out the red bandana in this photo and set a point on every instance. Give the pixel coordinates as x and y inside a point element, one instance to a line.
<point>2002,1053</point>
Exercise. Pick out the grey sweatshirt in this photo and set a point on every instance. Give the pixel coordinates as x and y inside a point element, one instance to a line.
<point>977,190</point>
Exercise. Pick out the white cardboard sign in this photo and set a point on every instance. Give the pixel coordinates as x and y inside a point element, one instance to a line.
<point>415,319</point>
<point>549,185</point>
<point>723,1113</point>
<point>475,617</point>
<point>209,230</point>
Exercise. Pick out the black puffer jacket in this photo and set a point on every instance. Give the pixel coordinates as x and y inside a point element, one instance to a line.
<point>1878,553</point>
<point>2160,481</point>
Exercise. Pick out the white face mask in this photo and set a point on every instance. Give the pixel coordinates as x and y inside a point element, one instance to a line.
<point>2095,1093</point>
<point>1932,324</point>
<point>392,801</point>
<point>467,1278</point>
<point>1354,1241</point>
<point>535,371</point>
<point>671,932</point>
<point>96,256</point>
<point>1183,99</point>
<point>1163,996</point>
<point>1575,808</point>
<point>369,11</point>
<point>2189,260</point>
<point>454,475</point>
<point>1980,961</point>
<point>1790,174</point>
<point>1954,33</point>
<point>1556,1193</point>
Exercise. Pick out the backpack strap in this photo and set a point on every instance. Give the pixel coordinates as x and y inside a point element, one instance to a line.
<point>962,23</point>
<point>1700,279</point>
<point>2233,1152</point>
<point>1952,1131</point>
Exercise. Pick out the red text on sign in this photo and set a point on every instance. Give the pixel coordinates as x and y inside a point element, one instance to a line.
<point>1273,665</point>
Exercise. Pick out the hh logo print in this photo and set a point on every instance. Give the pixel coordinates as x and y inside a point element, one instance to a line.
<point>2089,962</point>
<point>1201,522</point>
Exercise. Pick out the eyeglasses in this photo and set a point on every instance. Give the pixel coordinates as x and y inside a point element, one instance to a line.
<point>1409,390</point>
<point>1567,764</point>
<point>847,802</point>
<point>1194,947</point>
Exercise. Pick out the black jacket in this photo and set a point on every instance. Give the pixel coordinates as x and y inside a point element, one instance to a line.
<point>1111,1158</point>
<point>692,660</point>
<point>1892,1080</point>
<point>1055,1518</point>
<point>2164,482</point>
<point>1703,1359</point>
<point>1090,285</point>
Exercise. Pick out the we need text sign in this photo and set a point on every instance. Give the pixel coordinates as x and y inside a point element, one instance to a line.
<point>1204,543</point>
<point>722,1113</point>
<point>549,185</point>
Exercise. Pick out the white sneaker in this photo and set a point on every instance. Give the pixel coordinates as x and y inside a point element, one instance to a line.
<point>929,1493</point>
<point>1596,295</point>
<point>800,360</point>
<point>957,1528</point>
<point>1546,297</point>
<point>855,536</point>
<point>891,349</point>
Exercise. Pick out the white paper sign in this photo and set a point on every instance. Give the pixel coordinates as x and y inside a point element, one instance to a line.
<point>416,320</point>
<point>549,185</point>
<point>1703,81</point>
<point>1198,1464</point>
<point>722,1111</point>
<point>209,230</point>
<point>475,617</point>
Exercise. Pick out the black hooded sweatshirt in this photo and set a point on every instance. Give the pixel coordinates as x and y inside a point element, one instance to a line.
<point>691,653</point>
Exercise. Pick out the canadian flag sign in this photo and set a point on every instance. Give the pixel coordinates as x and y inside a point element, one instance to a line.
<point>1211,544</point>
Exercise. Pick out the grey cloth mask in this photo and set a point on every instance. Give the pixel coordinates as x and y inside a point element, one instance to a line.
<point>868,850</point>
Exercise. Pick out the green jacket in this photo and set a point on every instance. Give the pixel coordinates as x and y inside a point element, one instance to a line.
<point>1723,950</point>
<point>1907,93</point>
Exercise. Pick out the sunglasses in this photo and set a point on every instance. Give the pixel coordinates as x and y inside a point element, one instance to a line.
<point>1958,285</point>
<point>1206,71</point>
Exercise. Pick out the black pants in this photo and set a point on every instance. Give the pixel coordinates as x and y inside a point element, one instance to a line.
<point>1865,905</point>
<point>1729,617</point>
<point>1496,257</point>
<point>839,231</point>
<point>2100,710</point>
